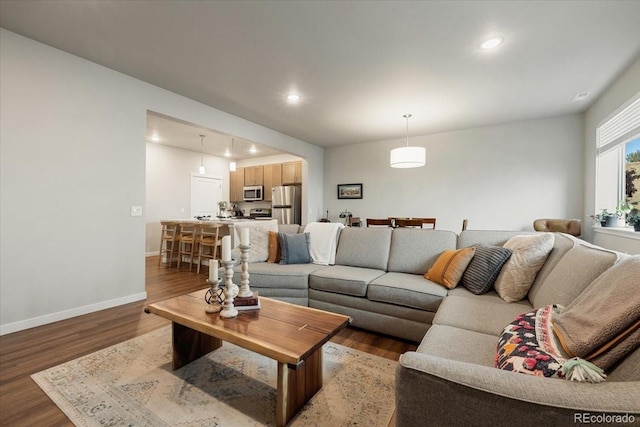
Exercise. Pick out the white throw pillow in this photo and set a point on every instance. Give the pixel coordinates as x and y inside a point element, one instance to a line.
<point>258,236</point>
<point>518,274</point>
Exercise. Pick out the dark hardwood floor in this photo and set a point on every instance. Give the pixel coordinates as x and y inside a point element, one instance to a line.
<point>33,350</point>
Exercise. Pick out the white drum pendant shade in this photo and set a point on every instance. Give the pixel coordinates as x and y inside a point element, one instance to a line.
<point>408,157</point>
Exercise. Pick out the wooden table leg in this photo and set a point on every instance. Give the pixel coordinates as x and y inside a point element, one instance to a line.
<point>189,344</point>
<point>296,385</point>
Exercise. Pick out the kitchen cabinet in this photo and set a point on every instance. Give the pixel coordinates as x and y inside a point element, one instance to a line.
<point>236,184</point>
<point>254,175</point>
<point>272,178</point>
<point>292,173</point>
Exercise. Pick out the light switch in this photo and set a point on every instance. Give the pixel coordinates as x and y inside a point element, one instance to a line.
<point>136,210</point>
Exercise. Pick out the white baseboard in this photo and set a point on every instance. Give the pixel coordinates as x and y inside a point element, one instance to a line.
<point>67,314</point>
<point>148,254</point>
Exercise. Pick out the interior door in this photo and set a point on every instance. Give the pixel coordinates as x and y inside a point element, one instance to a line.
<point>206,192</point>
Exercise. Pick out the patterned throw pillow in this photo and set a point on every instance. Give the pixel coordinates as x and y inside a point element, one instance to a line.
<point>450,266</point>
<point>527,345</point>
<point>484,268</point>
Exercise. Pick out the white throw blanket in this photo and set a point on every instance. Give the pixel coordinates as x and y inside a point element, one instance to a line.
<point>323,241</point>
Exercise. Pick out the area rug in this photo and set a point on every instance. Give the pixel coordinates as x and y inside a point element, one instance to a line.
<point>132,383</point>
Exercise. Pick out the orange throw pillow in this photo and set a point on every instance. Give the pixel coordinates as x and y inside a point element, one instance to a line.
<point>274,247</point>
<point>450,266</point>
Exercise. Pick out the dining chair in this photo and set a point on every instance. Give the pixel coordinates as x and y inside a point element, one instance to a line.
<point>415,222</point>
<point>187,242</point>
<point>411,223</point>
<point>379,222</point>
<point>354,221</point>
<point>210,236</point>
<point>168,240</point>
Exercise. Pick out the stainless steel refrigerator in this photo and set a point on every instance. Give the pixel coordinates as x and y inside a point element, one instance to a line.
<point>286,204</point>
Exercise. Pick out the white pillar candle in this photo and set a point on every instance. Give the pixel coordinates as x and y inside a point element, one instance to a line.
<point>244,236</point>
<point>226,248</point>
<point>213,271</point>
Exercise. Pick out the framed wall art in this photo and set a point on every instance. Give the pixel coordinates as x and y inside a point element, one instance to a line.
<point>349,191</point>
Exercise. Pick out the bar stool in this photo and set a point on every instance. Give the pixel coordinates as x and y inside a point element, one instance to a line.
<point>187,242</point>
<point>210,236</point>
<point>168,240</point>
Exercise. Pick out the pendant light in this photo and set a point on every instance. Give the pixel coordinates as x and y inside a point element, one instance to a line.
<point>232,164</point>
<point>408,157</point>
<point>201,169</point>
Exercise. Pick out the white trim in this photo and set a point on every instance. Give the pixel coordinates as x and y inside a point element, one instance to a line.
<point>67,314</point>
<point>626,232</point>
<point>154,253</point>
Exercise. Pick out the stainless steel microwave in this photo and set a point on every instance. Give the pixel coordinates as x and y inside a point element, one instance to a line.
<point>252,193</point>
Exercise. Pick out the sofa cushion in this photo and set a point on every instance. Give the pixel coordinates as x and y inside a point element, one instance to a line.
<point>484,268</point>
<point>405,289</point>
<point>364,247</point>
<point>518,273</point>
<point>562,243</point>
<point>459,344</point>
<point>344,279</point>
<point>269,275</point>
<point>486,313</point>
<point>572,274</point>
<point>416,250</point>
<point>487,237</point>
<point>450,266</point>
<point>289,228</point>
<point>294,248</point>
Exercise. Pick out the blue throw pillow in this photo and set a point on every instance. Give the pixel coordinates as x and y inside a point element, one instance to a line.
<point>294,248</point>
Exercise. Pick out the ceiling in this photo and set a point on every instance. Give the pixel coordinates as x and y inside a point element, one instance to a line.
<point>177,133</point>
<point>358,65</point>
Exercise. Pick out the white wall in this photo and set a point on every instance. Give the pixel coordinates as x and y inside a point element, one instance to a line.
<point>623,89</point>
<point>72,140</point>
<point>168,186</point>
<point>499,177</point>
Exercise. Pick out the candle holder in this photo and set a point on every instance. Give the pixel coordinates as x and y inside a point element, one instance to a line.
<point>214,297</point>
<point>244,291</point>
<point>230,291</point>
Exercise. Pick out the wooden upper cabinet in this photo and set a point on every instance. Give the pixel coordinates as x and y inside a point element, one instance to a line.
<point>272,178</point>
<point>254,175</point>
<point>236,184</point>
<point>292,173</point>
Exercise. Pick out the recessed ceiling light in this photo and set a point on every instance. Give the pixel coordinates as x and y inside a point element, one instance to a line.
<point>293,97</point>
<point>155,138</point>
<point>491,43</point>
<point>581,96</point>
<point>227,153</point>
<point>253,150</point>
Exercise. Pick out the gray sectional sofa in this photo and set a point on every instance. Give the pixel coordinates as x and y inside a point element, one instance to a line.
<point>450,379</point>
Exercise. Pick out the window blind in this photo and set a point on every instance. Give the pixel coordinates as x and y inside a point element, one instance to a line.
<point>621,127</point>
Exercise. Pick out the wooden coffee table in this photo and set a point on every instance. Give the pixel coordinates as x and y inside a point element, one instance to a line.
<point>291,334</point>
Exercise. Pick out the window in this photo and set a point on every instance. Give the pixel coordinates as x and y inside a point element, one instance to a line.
<point>618,158</point>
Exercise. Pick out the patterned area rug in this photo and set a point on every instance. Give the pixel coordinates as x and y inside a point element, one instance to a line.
<point>132,383</point>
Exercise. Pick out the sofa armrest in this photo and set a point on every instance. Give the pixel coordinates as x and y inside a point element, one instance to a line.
<point>458,392</point>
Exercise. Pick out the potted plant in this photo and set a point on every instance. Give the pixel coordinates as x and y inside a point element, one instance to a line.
<point>608,219</point>
<point>623,209</point>
<point>633,218</point>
